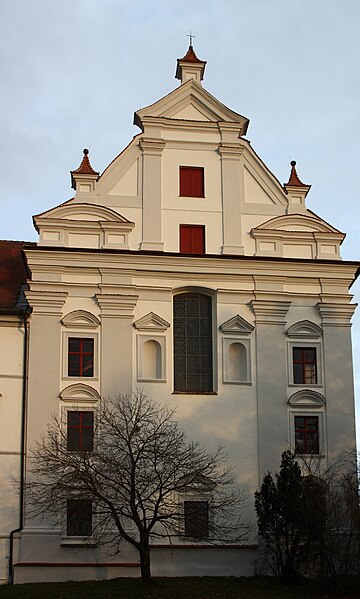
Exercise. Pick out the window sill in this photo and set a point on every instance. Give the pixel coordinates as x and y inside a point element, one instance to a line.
<point>192,197</point>
<point>306,385</point>
<point>152,380</point>
<point>194,393</point>
<point>313,456</point>
<point>237,382</point>
<point>78,542</point>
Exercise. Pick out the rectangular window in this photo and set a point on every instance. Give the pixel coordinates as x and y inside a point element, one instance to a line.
<point>79,518</point>
<point>196,519</point>
<point>191,181</point>
<point>192,239</point>
<point>80,431</point>
<point>304,365</point>
<point>81,357</point>
<point>306,434</point>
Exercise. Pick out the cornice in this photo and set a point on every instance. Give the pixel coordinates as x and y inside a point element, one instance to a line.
<point>153,147</point>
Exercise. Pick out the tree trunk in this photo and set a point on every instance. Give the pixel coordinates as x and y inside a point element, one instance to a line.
<point>144,552</point>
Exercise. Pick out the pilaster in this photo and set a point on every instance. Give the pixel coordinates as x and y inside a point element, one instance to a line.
<point>45,359</point>
<point>271,373</point>
<point>116,361</point>
<point>151,193</point>
<point>338,375</point>
<point>232,189</point>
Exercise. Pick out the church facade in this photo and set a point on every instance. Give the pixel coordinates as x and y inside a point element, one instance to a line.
<point>186,270</point>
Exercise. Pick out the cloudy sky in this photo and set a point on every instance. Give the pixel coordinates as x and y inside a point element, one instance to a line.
<point>74,71</point>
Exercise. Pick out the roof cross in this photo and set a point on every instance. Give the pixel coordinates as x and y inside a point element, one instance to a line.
<point>190,36</point>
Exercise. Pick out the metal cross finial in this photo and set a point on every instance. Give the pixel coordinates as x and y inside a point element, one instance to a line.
<point>190,36</point>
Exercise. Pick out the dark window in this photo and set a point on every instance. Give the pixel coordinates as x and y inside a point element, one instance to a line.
<point>193,361</point>
<point>80,431</point>
<point>191,181</point>
<point>196,519</point>
<point>81,357</point>
<point>307,434</point>
<point>304,365</point>
<point>79,518</point>
<point>192,239</point>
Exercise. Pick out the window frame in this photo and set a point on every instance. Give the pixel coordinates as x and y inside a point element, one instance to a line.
<point>309,411</point>
<point>78,540</point>
<point>198,537</point>
<point>191,169</point>
<point>192,227</point>
<point>213,343</point>
<point>80,335</point>
<point>81,427</point>
<point>319,360</point>
<point>305,431</point>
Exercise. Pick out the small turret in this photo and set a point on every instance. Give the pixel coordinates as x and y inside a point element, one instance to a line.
<point>296,191</point>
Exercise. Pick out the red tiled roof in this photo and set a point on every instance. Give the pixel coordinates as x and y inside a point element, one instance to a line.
<point>294,179</point>
<point>13,273</point>
<point>190,56</point>
<point>85,167</point>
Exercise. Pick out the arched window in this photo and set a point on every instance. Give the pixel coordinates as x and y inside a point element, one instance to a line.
<point>193,355</point>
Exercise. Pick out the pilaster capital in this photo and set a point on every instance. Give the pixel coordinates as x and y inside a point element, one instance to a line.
<point>230,151</point>
<point>336,315</point>
<point>47,303</point>
<point>270,312</point>
<point>117,305</point>
<point>152,147</point>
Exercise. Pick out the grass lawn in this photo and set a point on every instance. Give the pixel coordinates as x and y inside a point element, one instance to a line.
<point>167,588</point>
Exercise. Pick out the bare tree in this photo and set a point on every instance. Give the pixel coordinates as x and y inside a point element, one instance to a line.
<point>139,471</point>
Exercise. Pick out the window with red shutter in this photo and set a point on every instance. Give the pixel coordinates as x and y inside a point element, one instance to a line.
<point>191,181</point>
<point>192,239</point>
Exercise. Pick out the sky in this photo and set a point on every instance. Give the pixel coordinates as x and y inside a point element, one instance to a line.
<point>73,73</point>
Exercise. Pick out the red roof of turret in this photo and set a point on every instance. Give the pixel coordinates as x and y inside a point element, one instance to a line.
<point>190,56</point>
<point>85,167</point>
<point>294,178</point>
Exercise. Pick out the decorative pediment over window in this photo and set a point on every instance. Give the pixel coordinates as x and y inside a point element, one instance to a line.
<point>236,326</point>
<point>151,322</point>
<point>306,398</point>
<point>79,392</point>
<point>304,329</point>
<point>195,482</point>
<point>80,319</point>
<point>83,225</point>
<point>297,236</point>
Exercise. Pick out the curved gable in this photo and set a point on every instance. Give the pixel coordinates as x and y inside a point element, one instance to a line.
<point>297,236</point>
<point>83,225</point>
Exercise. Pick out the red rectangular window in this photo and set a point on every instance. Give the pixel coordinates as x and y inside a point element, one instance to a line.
<point>196,519</point>
<point>192,239</point>
<point>81,357</point>
<point>304,365</point>
<point>191,181</point>
<point>80,431</point>
<point>307,434</point>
